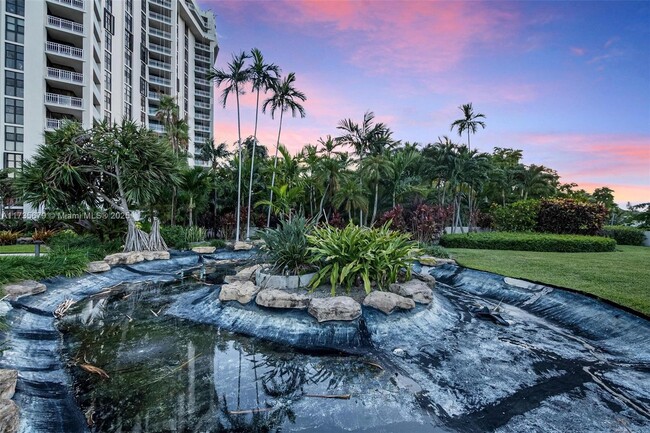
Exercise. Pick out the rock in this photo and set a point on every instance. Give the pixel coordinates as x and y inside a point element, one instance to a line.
<point>160,255</point>
<point>124,258</point>
<point>8,380</point>
<point>25,240</point>
<point>240,291</point>
<point>9,416</point>
<point>5,307</point>
<point>100,266</point>
<point>414,289</point>
<point>426,277</point>
<point>275,298</point>
<point>147,255</point>
<point>387,302</point>
<point>23,288</point>
<point>428,260</point>
<point>245,274</point>
<point>440,262</point>
<point>204,250</point>
<point>242,246</point>
<point>336,308</point>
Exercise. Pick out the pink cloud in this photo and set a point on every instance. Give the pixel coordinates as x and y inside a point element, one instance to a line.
<point>577,51</point>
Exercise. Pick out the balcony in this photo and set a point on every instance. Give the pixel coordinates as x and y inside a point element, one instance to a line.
<point>154,95</point>
<point>63,100</point>
<point>202,94</point>
<point>160,33</point>
<point>64,50</point>
<point>67,76</point>
<point>157,128</point>
<point>202,105</point>
<point>160,49</point>
<point>160,65</point>
<point>63,24</point>
<point>164,3</point>
<point>203,117</point>
<point>201,46</point>
<point>52,124</point>
<point>159,17</point>
<point>77,4</point>
<point>203,59</point>
<point>201,70</point>
<point>200,128</point>
<point>160,81</point>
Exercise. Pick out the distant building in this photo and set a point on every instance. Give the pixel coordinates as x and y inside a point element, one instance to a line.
<point>91,60</point>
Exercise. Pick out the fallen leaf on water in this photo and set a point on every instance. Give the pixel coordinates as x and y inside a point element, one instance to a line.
<point>95,370</point>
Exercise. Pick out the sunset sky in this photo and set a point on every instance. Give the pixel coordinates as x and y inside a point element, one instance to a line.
<point>566,82</point>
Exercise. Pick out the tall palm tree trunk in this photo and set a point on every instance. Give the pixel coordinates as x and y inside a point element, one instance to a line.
<point>275,165</point>
<point>374,210</point>
<point>250,183</point>
<point>239,170</point>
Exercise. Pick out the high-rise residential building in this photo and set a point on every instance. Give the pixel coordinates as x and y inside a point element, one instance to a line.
<point>92,60</point>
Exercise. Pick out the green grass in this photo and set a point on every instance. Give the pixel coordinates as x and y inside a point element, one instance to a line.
<point>622,277</point>
<point>13,249</point>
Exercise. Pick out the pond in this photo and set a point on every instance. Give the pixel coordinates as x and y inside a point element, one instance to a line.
<point>150,348</point>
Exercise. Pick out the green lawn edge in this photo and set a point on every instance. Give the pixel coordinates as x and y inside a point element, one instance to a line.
<point>621,277</point>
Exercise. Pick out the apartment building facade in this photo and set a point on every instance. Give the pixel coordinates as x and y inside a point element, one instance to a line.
<point>91,60</point>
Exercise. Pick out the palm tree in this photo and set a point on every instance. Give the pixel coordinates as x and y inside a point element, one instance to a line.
<point>235,78</point>
<point>194,182</point>
<point>213,154</point>
<point>403,168</point>
<point>263,76</point>
<point>285,97</point>
<point>470,122</point>
<point>351,195</point>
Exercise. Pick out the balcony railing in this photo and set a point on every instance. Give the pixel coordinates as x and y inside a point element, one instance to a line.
<point>198,116</point>
<point>202,59</point>
<point>77,4</point>
<point>202,94</point>
<point>164,3</point>
<point>202,70</point>
<point>65,24</point>
<point>157,128</point>
<point>68,101</point>
<point>160,33</point>
<point>154,95</point>
<point>53,123</point>
<point>160,65</point>
<point>202,128</point>
<point>160,81</point>
<point>160,49</point>
<point>202,105</point>
<point>66,50</point>
<point>159,17</point>
<point>60,74</point>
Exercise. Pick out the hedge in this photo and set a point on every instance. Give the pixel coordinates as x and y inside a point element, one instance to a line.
<point>624,235</point>
<point>520,216</point>
<point>529,242</point>
<point>566,216</point>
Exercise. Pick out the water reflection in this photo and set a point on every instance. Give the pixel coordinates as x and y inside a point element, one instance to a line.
<point>168,375</point>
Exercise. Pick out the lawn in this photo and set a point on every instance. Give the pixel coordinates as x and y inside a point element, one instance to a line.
<point>13,249</point>
<point>622,277</point>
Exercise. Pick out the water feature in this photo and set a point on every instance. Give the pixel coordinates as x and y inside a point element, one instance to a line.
<point>177,359</point>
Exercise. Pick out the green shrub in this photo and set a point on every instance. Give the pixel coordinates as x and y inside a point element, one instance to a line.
<point>8,237</point>
<point>566,216</point>
<point>435,251</point>
<point>356,255</point>
<point>624,235</point>
<point>529,242</point>
<point>180,237</point>
<point>286,245</point>
<point>520,216</point>
<point>69,243</point>
<point>217,243</point>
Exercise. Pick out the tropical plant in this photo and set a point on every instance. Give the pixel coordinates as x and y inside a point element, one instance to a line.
<point>285,98</point>
<point>286,245</point>
<point>194,182</point>
<point>520,216</point>
<point>358,256</point>
<point>235,78</point>
<point>102,167</point>
<point>624,235</point>
<point>263,76</point>
<point>571,217</point>
<point>469,122</point>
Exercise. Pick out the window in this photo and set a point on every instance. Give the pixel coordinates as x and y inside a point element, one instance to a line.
<point>14,56</point>
<point>127,111</point>
<point>127,75</point>
<point>107,101</point>
<point>108,60</point>
<point>108,80</point>
<point>15,31</point>
<point>107,116</point>
<point>109,21</point>
<point>143,86</point>
<point>127,93</point>
<point>13,160</point>
<point>14,84</point>
<point>14,138</point>
<point>14,111</point>
<point>109,41</point>
<point>16,7</point>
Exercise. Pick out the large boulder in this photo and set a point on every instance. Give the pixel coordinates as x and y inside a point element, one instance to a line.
<point>428,260</point>
<point>23,288</point>
<point>335,308</point>
<point>160,255</point>
<point>100,266</point>
<point>417,290</point>
<point>387,302</point>
<point>426,277</point>
<point>275,298</point>
<point>240,291</point>
<point>124,258</point>
<point>245,274</point>
<point>242,246</point>
<point>9,416</point>
<point>8,380</point>
<point>204,250</point>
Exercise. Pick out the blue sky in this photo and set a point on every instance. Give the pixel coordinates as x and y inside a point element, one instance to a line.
<point>566,82</point>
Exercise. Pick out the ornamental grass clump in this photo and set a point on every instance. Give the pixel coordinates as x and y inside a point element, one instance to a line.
<point>286,245</point>
<point>355,256</point>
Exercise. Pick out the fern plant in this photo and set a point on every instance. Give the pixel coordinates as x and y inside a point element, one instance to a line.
<point>356,255</point>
